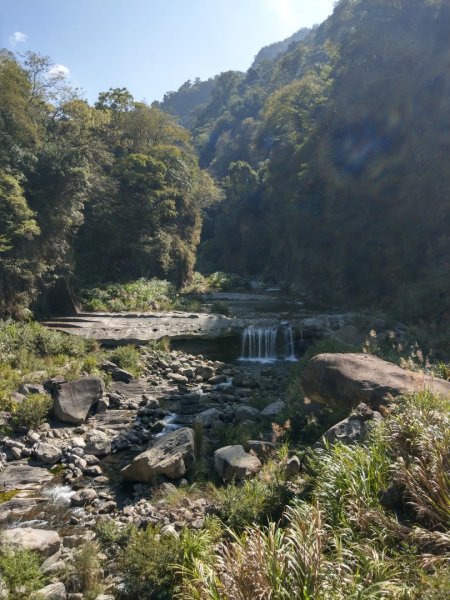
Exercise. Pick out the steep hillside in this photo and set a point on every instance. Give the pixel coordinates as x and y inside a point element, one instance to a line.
<point>332,157</point>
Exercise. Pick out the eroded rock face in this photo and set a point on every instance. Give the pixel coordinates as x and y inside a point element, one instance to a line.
<point>345,380</point>
<point>172,455</point>
<point>233,462</point>
<point>72,400</point>
<point>44,541</point>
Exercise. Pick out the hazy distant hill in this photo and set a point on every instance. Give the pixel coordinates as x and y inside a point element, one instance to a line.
<point>273,50</point>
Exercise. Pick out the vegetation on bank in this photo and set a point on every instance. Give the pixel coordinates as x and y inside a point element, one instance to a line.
<point>156,294</point>
<point>32,353</point>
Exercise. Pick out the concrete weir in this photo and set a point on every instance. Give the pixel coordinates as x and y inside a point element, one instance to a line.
<point>141,328</point>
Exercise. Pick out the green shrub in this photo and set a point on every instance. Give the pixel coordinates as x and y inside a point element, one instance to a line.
<point>140,295</point>
<point>111,536</point>
<point>162,345</point>
<point>148,563</point>
<point>254,501</point>
<point>86,573</point>
<point>127,357</point>
<point>216,282</point>
<point>220,308</point>
<point>32,411</point>
<point>21,572</point>
<point>23,339</point>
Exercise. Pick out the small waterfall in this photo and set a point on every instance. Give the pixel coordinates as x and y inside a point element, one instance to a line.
<point>268,344</point>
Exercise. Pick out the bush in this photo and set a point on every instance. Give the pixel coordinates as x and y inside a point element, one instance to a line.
<point>254,501</point>
<point>32,411</point>
<point>30,348</point>
<point>140,295</point>
<point>148,564</point>
<point>111,536</point>
<point>21,572</point>
<point>86,573</point>
<point>127,357</point>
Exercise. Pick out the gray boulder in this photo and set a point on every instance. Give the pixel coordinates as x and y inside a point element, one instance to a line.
<point>84,497</point>
<point>47,453</point>
<point>72,400</point>
<point>274,409</point>
<point>98,443</point>
<point>31,388</point>
<point>292,467</point>
<point>208,418</point>
<point>261,448</point>
<point>172,455</point>
<point>348,379</point>
<point>233,462</point>
<point>54,591</point>
<point>44,541</point>
<point>117,373</point>
<point>246,413</point>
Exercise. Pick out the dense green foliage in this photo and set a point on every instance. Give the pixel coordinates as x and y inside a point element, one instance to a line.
<point>332,158</point>
<point>21,573</point>
<point>120,176</point>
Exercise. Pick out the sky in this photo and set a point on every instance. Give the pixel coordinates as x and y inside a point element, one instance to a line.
<point>150,46</point>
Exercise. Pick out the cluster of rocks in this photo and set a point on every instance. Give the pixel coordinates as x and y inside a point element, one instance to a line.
<point>56,554</point>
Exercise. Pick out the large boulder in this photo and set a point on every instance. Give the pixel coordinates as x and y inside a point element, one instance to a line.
<point>172,455</point>
<point>47,453</point>
<point>98,443</point>
<point>345,380</point>
<point>233,462</point>
<point>54,591</point>
<point>44,541</point>
<point>72,400</point>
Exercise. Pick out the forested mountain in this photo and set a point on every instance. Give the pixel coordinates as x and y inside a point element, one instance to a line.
<point>105,192</point>
<point>333,157</point>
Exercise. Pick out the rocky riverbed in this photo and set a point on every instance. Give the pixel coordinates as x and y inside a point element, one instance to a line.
<point>93,462</point>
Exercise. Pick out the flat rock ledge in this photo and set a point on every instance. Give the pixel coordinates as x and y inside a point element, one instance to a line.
<point>140,328</point>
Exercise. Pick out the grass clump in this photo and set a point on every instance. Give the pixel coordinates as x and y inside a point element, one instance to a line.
<point>128,358</point>
<point>20,571</point>
<point>85,573</point>
<point>32,412</point>
<point>254,501</point>
<point>111,536</point>
<point>216,282</point>
<point>147,564</point>
<point>9,495</point>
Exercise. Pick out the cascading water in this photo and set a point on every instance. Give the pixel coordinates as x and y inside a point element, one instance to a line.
<point>268,344</point>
